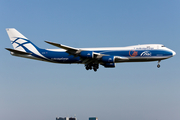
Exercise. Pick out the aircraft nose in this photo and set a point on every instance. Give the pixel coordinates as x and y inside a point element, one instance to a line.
<point>173,53</point>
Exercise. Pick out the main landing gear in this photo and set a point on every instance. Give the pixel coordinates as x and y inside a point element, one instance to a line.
<point>159,64</point>
<point>92,66</point>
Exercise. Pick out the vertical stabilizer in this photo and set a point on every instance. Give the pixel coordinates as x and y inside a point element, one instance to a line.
<point>20,42</point>
<point>17,39</point>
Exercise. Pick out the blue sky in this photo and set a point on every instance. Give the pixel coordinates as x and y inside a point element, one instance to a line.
<point>35,90</point>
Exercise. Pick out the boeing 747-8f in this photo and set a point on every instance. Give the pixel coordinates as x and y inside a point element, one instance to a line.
<point>90,57</point>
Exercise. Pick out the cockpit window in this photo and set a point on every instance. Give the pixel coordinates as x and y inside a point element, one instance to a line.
<point>162,46</point>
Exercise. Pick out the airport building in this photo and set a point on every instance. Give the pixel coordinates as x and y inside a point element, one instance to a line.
<point>65,118</point>
<point>71,118</point>
<point>61,118</point>
<point>93,118</point>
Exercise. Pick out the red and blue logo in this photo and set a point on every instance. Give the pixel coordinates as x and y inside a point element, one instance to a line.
<point>133,53</point>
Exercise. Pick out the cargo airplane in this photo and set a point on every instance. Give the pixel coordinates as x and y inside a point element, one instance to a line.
<point>90,57</point>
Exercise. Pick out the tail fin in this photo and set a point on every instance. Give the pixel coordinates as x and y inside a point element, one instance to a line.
<point>22,45</point>
<point>19,41</point>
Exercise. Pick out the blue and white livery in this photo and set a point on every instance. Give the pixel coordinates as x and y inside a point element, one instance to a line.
<point>90,57</point>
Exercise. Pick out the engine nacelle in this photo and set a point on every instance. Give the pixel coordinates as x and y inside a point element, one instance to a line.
<point>87,54</point>
<point>108,59</point>
<point>109,65</point>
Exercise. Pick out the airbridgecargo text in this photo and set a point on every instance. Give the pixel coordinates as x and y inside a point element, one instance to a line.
<point>148,48</point>
<point>59,58</point>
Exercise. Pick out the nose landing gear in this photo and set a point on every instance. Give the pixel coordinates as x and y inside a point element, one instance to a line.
<point>159,64</point>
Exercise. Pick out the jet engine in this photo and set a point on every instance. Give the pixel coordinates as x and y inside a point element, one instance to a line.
<point>108,59</point>
<point>87,54</point>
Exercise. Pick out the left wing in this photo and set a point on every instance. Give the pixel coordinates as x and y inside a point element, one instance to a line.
<point>70,50</point>
<point>88,57</point>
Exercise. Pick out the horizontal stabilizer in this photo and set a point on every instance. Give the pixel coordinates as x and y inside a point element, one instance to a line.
<point>17,51</point>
